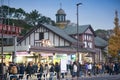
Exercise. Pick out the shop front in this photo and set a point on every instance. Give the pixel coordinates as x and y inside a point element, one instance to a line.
<point>52,54</point>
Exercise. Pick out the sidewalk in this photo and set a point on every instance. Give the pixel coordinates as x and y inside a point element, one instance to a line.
<point>68,77</point>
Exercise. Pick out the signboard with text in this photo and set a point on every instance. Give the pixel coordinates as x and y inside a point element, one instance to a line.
<point>63,65</point>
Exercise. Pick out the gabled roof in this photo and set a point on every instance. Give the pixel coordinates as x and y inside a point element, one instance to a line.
<point>27,34</point>
<point>54,29</point>
<point>72,29</point>
<point>99,42</point>
<point>59,32</point>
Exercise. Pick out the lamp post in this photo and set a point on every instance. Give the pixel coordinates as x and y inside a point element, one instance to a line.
<point>78,30</point>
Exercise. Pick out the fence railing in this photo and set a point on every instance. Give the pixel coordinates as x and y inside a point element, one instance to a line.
<point>53,76</point>
<point>36,76</point>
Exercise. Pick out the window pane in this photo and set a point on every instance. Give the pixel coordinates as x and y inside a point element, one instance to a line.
<point>41,35</point>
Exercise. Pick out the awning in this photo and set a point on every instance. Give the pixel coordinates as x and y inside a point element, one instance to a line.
<point>18,48</point>
<point>52,50</point>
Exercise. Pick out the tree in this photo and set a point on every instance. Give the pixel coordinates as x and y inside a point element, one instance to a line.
<point>4,10</point>
<point>21,18</point>
<point>32,17</point>
<point>114,41</point>
<point>19,14</point>
<point>102,33</point>
<point>45,19</point>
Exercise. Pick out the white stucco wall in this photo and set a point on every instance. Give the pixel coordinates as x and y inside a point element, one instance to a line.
<point>32,39</point>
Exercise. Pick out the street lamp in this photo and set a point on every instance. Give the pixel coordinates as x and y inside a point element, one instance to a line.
<point>78,30</point>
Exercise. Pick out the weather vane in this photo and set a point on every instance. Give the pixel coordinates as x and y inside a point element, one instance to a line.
<point>116,13</point>
<point>60,5</point>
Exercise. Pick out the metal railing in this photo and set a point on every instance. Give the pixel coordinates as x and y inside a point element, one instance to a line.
<point>35,76</point>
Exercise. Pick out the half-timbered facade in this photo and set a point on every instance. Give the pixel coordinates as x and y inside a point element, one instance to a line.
<point>47,39</point>
<point>86,36</point>
<point>47,36</point>
<point>39,34</point>
<point>46,42</point>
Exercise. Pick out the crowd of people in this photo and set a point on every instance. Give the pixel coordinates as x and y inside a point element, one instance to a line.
<point>74,69</point>
<point>89,69</point>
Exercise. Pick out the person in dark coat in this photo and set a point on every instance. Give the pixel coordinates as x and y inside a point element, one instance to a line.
<point>71,68</point>
<point>51,71</point>
<point>14,72</point>
<point>29,69</point>
<point>1,71</point>
<point>78,69</point>
<point>57,70</point>
<point>22,70</point>
<point>40,72</point>
<point>35,67</point>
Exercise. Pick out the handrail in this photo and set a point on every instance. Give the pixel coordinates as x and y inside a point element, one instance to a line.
<point>25,75</point>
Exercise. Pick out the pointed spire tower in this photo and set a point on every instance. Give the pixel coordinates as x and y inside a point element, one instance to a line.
<point>116,22</point>
<point>61,18</point>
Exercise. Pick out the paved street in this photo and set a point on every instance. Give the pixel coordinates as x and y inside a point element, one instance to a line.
<point>104,77</point>
<point>114,77</point>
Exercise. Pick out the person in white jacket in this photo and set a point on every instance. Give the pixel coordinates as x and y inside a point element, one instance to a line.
<point>74,70</point>
<point>89,66</point>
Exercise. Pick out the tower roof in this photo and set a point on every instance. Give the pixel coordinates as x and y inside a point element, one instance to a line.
<point>60,11</point>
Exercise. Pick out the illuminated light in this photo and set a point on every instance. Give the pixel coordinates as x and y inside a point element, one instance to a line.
<point>58,57</point>
<point>23,54</point>
<point>29,59</point>
<point>10,59</point>
<point>7,56</point>
<point>46,43</point>
<point>19,59</point>
<point>46,54</point>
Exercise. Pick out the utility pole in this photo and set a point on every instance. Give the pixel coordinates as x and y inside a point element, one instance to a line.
<point>2,55</point>
<point>78,30</point>
<point>14,52</point>
<point>15,44</point>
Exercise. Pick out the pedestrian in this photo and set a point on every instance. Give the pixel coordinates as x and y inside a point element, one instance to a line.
<point>111,66</point>
<point>79,69</point>
<point>71,68</point>
<point>4,69</point>
<point>57,70</point>
<point>35,67</point>
<point>74,70</point>
<point>40,72</point>
<point>45,70</point>
<point>51,70</point>
<point>89,69</point>
<point>13,72</point>
<point>29,69</point>
<point>22,70</point>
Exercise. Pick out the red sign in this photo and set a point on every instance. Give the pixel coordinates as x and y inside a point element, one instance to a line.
<point>10,30</point>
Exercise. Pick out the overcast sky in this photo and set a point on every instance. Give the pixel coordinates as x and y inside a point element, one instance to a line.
<point>98,13</point>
